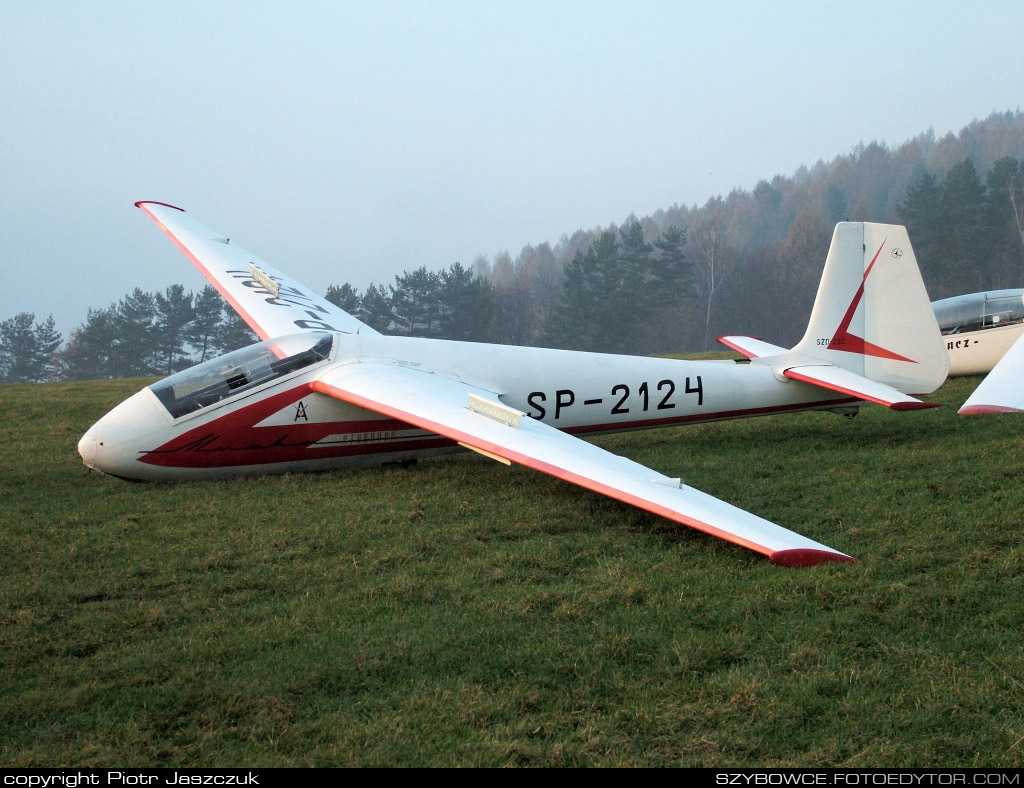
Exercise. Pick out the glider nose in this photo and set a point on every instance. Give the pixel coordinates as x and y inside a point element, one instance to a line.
<point>87,448</point>
<point>113,444</point>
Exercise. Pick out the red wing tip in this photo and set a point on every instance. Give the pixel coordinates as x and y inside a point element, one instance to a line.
<point>977,410</point>
<point>140,203</point>
<point>801,557</point>
<point>914,405</point>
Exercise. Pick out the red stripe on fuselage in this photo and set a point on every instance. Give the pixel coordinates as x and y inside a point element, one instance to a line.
<point>234,440</point>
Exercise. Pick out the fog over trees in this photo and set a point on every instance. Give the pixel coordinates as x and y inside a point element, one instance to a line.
<point>671,282</point>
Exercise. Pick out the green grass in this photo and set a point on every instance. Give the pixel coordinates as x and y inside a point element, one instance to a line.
<point>462,613</point>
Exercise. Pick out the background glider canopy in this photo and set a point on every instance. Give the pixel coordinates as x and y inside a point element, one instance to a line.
<point>272,303</point>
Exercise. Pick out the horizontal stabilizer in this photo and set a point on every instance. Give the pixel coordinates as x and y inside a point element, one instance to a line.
<point>846,382</point>
<point>799,367</point>
<point>752,347</point>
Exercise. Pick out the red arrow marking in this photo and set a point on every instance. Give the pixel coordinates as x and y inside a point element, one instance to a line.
<point>846,342</point>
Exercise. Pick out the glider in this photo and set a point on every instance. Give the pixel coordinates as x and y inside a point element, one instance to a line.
<point>979,328</point>
<point>324,390</point>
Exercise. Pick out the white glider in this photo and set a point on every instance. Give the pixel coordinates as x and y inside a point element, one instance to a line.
<point>325,390</point>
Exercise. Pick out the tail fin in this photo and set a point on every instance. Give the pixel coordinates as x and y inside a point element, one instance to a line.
<point>872,315</point>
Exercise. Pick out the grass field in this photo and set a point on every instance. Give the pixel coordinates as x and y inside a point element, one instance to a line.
<point>459,612</point>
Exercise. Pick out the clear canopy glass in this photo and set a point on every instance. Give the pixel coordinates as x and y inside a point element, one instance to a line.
<point>225,376</point>
<point>975,311</point>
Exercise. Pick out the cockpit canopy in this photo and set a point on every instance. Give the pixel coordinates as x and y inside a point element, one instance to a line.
<point>225,376</point>
<point>976,311</point>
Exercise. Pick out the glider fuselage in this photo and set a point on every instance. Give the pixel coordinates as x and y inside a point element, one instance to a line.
<point>288,425</point>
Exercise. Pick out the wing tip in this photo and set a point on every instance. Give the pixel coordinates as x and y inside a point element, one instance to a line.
<point>140,203</point>
<point>915,405</point>
<point>978,410</point>
<point>803,557</point>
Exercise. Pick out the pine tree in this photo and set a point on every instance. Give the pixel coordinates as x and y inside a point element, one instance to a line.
<point>344,297</point>
<point>581,317</point>
<point>134,351</point>
<point>924,213</point>
<point>28,349</point>
<point>234,332</point>
<point>417,305</point>
<point>47,340</point>
<point>375,308</point>
<point>468,302</point>
<point>87,355</point>
<point>971,245</point>
<point>1006,204</point>
<point>207,320</point>
<point>174,314</point>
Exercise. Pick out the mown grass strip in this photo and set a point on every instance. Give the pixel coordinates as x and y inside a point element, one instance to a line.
<point>460,612</point>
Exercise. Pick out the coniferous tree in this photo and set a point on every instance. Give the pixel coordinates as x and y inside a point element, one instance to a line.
<point>234,332</point>
<point>345,297</point>
<point>174,314</point>
<point>207,320</point>
<point>87,355</point>
<point>375,308</point>
<point>28,349</point>
<point>1006,203</point>
<point>134,350</point>
<point>923,212</point>
<point>670,290</point>
<point>417,305</point>
<point>580,318</point>
<point>468,302</point>
<point>971,244</point>
<point>630,298</point>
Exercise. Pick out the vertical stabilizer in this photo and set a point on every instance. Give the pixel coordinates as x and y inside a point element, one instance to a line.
<point>872,315</point>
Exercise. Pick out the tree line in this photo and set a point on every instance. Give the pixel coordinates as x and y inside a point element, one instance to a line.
<point>669,282</point>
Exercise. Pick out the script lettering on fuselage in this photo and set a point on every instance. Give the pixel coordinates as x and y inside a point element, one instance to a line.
<point>290,298</point>
<point>653,397</point>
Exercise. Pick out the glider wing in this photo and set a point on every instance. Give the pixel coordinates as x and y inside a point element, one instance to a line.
<point>272,303</point>
<point>477,419</point>
<point>1002,390</point>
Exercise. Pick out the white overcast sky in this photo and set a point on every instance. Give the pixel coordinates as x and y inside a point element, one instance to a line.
<point>349,141</point>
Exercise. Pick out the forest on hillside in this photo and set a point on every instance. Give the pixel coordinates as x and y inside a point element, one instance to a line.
<point>671,282</point>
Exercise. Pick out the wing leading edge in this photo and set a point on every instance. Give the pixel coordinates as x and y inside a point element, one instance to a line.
<point>442,405</point>
<point>272,303</point>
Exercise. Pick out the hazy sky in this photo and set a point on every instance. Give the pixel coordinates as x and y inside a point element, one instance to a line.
<point>348,141</point>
